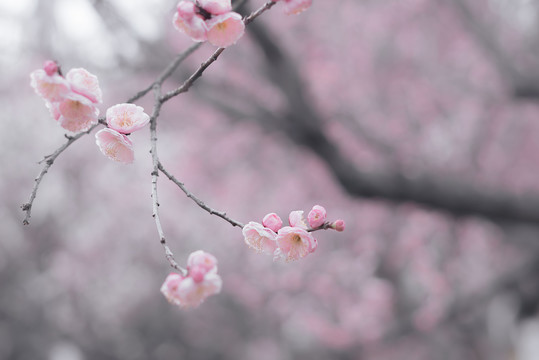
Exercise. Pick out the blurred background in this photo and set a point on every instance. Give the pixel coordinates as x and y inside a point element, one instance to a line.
<point>414,121</point>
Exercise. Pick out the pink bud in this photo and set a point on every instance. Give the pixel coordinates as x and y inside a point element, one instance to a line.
<point>317,216</point>
<point>197,273</point>
<point>272,221</point>
<point>50,67</point>
<point>338,225</point>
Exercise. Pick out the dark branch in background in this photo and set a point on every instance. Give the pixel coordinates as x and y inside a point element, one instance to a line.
<point>304,126</point>
<point>523,86</point>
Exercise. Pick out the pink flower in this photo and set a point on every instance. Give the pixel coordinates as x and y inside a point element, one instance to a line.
<point>293,7</point>
<point>272,221</point>
<point>203,261</point>
<point>50,87</point>
<point>85,84</point>
<point>201,281</point>
<point>126,118</point>
<point>259,238</point>
<point>170,287</point>
<point>74,113</point>
<point>338,225</point>
<point>216,7</point>
<point>115,146</point>
<point>187,21</point>
<point>189,293</point>
<point>294,243</point>
<point>224,30</point>
<point>296,219</point>
<point>317,216</point>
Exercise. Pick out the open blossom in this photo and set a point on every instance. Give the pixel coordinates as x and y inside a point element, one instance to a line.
<point>201,281</point>
<point>294,243</point>
<point>211,20</point>
<point>293,7</point>
<point>51,87</point>
<point>187,20</point>
<point>126,118</point>
<point>272,221</point>
<point>86,84</point>
<point>296,219</point>
<point>115,146</point>
<point>317,216</point>
<point>74,113</point>
<point>202,260</point>
<point>225,29</point>
<point>259,237</point>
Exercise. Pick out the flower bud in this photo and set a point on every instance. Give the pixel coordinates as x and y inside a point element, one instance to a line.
<point>317,216</point>
<point>338,225</point>
<point>272,221</point>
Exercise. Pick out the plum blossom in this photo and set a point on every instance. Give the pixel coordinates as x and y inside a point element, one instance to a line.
<point>259,237</point>
<point>71,100</point>
<point>294,243</point>
<point>200,282</point>
<point>115,146</point>
<point>86,84</point>
<point>272,221</point>
<point>188,21</point>
<point>317,216</point>
<point>338,225</point>
<point>293,7</point>
<point>225,29</point>
<point>74,113</point>
<point>211,20</point>
<point>51,86</point>
<point>126,118</point>
<point>296,219</point>
<point>203,260</point>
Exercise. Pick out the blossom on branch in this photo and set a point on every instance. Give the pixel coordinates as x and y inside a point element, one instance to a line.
<point>126,118</point>
<point>200,282</point>
<point>294,243</point>
<point>115,146</point>
<point>317,216</point>
<point>72,99</point>
<point>260,238</point>
<point>224,30</point>
<point>74,113</point>
<point>85,84</point>
<point>272,221</point>
<point>211,20</point>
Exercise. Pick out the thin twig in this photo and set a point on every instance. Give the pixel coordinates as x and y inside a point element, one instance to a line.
<point>199,202</point>
<point>49,160</point>
<point>155,175</point>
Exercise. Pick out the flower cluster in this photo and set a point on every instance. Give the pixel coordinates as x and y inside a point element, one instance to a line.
<point>211,20</point>
<point>290,242</point>
<point>122,119</point>
<point>71,99</point>
<point>296,6</point>
<point>200,282</point>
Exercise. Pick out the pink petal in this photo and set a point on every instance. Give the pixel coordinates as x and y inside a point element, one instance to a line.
<point>126,118</point>
<point>224,30</point>
<point>115,146</point>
